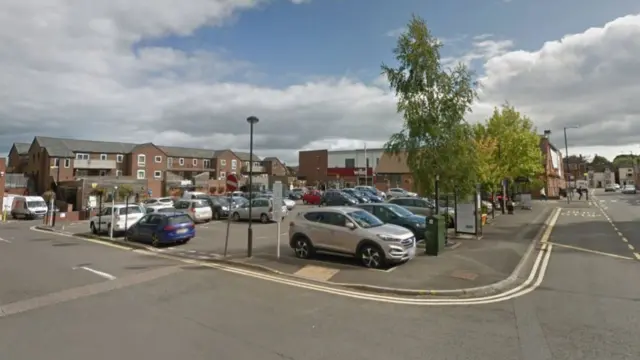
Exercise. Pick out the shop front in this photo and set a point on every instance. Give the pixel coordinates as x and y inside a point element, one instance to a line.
<point>350,177</point>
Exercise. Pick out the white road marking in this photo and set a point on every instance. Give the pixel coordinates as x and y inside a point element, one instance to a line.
<point>5,241</point>
<point>99,273</point>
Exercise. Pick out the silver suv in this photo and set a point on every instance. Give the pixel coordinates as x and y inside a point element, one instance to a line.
<point>350,231</point>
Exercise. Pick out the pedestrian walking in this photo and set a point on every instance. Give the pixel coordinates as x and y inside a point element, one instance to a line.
<point>543,194</point>
<point>579,193</point>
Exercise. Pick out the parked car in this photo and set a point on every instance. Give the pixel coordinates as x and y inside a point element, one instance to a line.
<point>426,207</point>
<point>399,192</point>
<point>629,189</point>
<point>162,228</point>
<point>159,209</point>
<point>261,209</point>
<point>296,194</point>
<point>198,209</point>
<point>219,207</point>
<point>350,231</point>
<point>123,216</point>
<point>610,188</point>
<point>313,197</point>
<point>372,190</point>
<point>337,198</point>
<point>290,204</point>
<point>158,201</point>
<point>192,195</point>
<point>362,198</point>
<point>397,215</point>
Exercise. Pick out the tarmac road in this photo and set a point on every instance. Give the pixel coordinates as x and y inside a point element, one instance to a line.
<point>587,308</point>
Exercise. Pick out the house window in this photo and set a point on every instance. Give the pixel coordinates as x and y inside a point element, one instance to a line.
<point>103,173</point>
<point>158,159</point>
<point>141,175</point>
<point>377,161</point>
<point>234,164</point>
<point>67,163</point>
<point>118,172</point>
<point>350,163</point>
<point>223,174</point>
<point>103,156</point>
<point>170,162</point>
<point>223,162</point>
<point>206,163</point>
<point>157,174</point>
<point>142,160</point>
<point>55,162</point>
<point>82,156</point>
<point>195,162</point>
<point>181,161</point>
<point>119,158</point>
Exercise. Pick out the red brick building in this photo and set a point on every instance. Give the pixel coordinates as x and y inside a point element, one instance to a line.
<point>554,173</point>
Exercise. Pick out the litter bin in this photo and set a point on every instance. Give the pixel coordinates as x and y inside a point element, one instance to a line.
<point>434,235</point>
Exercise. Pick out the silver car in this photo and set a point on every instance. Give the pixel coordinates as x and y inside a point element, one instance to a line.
<point>350,231</point>
<point>261,209</point>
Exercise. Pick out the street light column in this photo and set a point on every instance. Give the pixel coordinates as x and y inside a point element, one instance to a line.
<point>566,171</point>
<point>251,120</point>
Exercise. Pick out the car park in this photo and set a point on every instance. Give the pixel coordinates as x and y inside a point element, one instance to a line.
<point>158,201</point>
<point>123,216</point>
<point>426,207</point>
<point>397,215</point>
<point>362,198</point>
<point>350,231</point>
<point>162,228</point>
<point>198,209</point>
<point>372,190</point>
<point>261,209</point>
<point>159,208</point>
<point>219,206</point>
<point>399,192</point>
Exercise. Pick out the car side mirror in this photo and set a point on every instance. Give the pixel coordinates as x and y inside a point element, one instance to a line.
<point>350,225</point>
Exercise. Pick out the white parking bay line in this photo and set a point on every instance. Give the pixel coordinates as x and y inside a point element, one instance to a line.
<point>5,241</point>
<point>99,273</point>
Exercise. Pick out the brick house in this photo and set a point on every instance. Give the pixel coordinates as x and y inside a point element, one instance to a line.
<point>392,171</point>
<point>554,175</point>
<point>274,167</point>
<point>49,161</point>
<point>312,166</point>
<point>18,157</point>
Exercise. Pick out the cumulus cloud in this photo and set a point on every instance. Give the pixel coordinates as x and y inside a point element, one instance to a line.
<point>80,71</point>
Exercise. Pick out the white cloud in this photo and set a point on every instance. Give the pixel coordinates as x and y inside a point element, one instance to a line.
<point>71,71</point>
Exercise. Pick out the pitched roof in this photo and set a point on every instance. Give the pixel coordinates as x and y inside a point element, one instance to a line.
<point>244,156</point>
<point>183,152</point>
<point>272,158</point>
<point>22,148</point>
<point>393,164</point>
<point>66,147</point>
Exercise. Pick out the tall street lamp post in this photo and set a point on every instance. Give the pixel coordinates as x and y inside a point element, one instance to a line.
<point>251,120</point>
<point>566,154</point>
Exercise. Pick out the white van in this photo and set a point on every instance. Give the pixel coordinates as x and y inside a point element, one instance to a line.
<point>28,207</point>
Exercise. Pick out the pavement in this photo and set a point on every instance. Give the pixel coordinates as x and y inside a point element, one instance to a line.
<point>584,306</point>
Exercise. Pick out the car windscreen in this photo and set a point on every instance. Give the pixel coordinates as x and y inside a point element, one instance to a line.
<point>130,210</point>
<point>35,204</point>
<point>399,210</point>
<point>166,210</point>
<point>364,219</point>
<point>200,204</point>
<point>179,219</point>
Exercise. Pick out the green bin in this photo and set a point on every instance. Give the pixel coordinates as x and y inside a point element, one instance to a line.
<point>434,235</point>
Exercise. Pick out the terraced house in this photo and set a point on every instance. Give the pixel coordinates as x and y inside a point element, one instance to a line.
<point>151,169</point>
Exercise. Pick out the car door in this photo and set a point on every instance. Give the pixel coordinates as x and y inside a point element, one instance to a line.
<point>104,219</point>
<point>148,228</point>
<point>260,206</point>
<point>420,207</point>
<point>182,206</point>
<point>135,231</point>
<point>382,213</point>
<point>326,230</point>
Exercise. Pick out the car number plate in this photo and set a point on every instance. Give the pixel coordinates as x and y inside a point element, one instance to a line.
<point>181,231</point>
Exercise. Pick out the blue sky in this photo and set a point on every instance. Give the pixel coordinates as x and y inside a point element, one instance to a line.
<point>290,43</point>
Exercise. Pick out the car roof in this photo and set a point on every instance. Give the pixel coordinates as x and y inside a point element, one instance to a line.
<point>170,214</point>
<point>341,209</point>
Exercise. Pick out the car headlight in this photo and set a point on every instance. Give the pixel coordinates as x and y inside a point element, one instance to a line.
<point>421,225</point>
<point>225,208</point>
<point>388,238</point>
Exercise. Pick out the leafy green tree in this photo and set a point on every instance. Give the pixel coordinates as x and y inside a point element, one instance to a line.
<point>490,173</point>
<point>518,143</point>
<point>433,100</point>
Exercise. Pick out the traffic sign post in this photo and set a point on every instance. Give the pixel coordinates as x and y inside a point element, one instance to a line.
<point>232,185</point>
<point>277,211</point>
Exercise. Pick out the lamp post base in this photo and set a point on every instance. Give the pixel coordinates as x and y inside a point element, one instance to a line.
<point>249,242</point>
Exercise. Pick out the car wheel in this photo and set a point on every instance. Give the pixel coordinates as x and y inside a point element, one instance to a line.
<point>264,218</point>
<point>155,241</point>
<point>186,240</point>
<point>371,256</point>
<point>236,216</point>
<point>93,229</point>
<point>303,248</point>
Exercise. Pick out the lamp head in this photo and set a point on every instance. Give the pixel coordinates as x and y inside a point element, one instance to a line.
<point>252,120</point>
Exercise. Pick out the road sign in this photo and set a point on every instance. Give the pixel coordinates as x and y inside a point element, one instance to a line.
<point>232,182</point>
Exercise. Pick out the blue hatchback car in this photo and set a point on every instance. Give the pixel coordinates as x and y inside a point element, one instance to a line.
<point>162,228</point>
